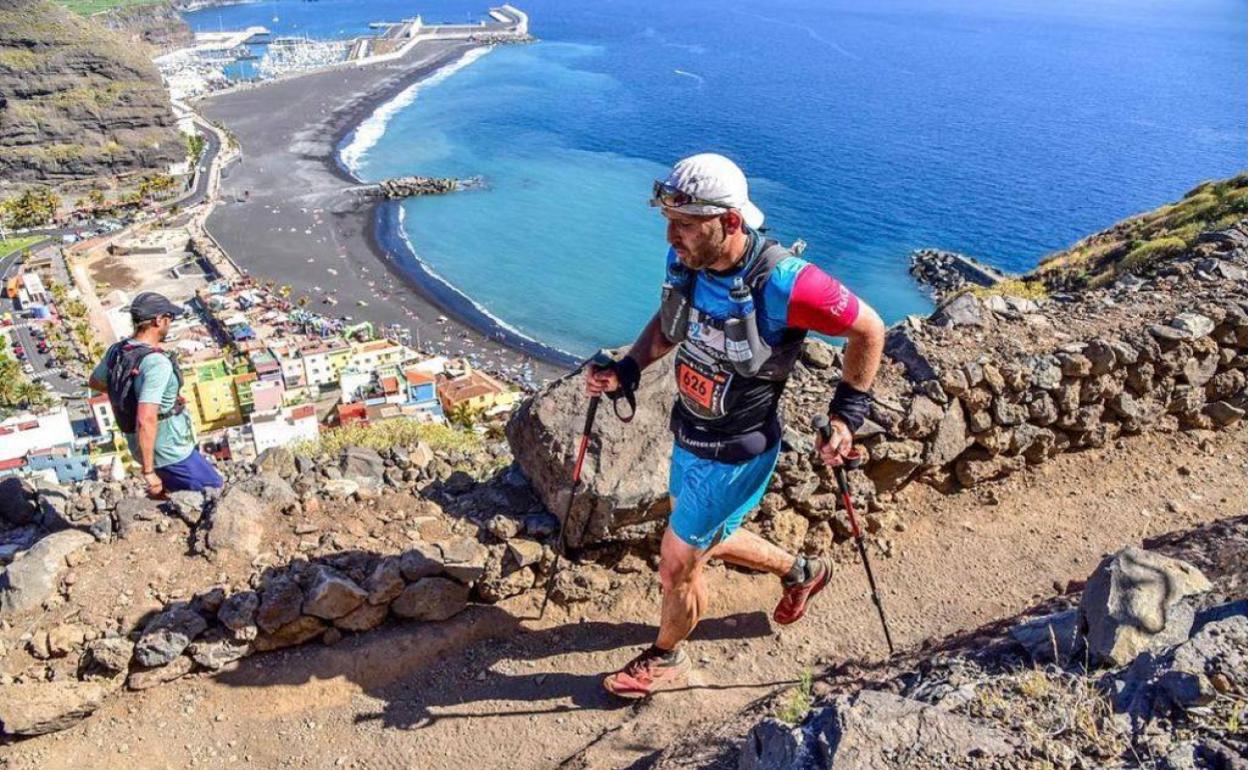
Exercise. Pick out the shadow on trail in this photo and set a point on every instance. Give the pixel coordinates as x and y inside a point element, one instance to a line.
<point>484,656</point>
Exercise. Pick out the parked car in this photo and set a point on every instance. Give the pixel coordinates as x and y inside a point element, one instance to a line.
<point>20,352</point>
<point>26,367</point>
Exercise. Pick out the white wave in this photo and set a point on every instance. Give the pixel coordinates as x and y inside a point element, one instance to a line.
<point>701,80</point>
<point>372,128</point>
<point>500,323</point>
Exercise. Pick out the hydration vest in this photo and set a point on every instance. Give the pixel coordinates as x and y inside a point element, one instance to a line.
<point>122,362</point>
<point>728,376</point>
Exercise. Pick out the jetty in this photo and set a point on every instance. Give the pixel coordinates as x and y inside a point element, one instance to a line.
<point>948,271</point>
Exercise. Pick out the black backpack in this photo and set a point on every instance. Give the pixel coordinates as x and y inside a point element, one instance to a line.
<point>122,362</point>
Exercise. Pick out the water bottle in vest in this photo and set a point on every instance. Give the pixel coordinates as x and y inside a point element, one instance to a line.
<point>675,303</point>
<point>745,348</point>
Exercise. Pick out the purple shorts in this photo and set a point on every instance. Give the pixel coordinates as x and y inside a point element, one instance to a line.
<point>194,473</point>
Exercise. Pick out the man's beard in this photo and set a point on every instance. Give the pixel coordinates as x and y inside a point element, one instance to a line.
<point>706,253</point>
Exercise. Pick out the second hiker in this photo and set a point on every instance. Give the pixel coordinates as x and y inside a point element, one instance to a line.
<point>736,308</point>
<point>142,382</point>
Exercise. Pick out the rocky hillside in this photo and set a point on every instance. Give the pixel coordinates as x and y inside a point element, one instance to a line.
<point>77,101</point>
<point>157,25</point>
<point>1144,666</point>
<point>1139,244</point>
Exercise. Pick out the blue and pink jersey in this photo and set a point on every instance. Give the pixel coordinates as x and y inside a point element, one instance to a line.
<point>798,295</point>
<point>722,414</point>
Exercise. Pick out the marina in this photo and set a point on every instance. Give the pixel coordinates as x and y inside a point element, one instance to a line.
<point>212,63</point>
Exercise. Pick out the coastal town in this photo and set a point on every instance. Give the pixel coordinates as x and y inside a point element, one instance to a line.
<point>262,364</point>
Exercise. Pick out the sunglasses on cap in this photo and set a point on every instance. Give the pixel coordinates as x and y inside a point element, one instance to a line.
<point>671,197</point>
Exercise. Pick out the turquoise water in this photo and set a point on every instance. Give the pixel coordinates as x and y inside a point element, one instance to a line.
<point>1005,130</point>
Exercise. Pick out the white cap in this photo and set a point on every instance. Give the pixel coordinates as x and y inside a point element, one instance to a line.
<point>714,178</point>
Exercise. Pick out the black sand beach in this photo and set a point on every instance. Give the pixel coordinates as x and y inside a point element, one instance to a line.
<point>285,215</point>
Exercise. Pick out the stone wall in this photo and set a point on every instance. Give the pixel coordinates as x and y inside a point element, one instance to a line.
<point>468,541</point>
<point>980,390</point>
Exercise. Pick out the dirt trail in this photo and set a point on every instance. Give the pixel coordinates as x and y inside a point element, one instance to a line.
<point>488,690</point>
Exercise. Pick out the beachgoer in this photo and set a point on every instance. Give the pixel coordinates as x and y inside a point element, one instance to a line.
<point>142,382</point>
<point>736,308</point>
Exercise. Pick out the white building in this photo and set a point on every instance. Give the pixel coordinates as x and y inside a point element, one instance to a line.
<point>25,433</point>
<point>284,426</point>
<point>102,414</point>
<point>370,356</point>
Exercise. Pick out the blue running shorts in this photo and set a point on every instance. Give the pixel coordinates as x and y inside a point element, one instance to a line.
<point>710,499</point>
<point>194,473</point>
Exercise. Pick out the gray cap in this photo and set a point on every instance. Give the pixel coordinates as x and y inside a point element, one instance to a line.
<point>148,305</point>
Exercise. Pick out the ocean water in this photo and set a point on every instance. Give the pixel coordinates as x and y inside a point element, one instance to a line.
<point>1004,130</point>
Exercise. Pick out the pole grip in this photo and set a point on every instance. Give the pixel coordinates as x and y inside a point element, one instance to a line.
<point>823,426</point>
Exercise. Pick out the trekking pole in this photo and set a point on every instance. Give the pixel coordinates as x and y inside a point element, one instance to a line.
<point>567,512</point>
<point>854,460</point>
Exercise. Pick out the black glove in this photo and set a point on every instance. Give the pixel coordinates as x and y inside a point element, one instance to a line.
<point>850,405</point>
<point>629,375</point>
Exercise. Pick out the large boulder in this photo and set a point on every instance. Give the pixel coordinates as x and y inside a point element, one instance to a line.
<point>868,731</point>
<point>1134,602</point>
<point>623,490</point>
<point>277,460</point>
<point>34,576</point>
<point>1219,650</point>
<point>363,466</point>
<point>332,595</point>
<point>167,635</point>
<point>281,602</point>
<point>431,598</point>
<point>17,504</point>
<point>35,708</point>
<point>237,524</point>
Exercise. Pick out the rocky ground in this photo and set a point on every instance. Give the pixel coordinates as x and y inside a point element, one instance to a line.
<point>1012,445</point>
<point>492,687</point>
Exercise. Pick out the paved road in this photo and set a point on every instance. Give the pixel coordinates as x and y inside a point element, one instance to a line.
<point>21,335</point>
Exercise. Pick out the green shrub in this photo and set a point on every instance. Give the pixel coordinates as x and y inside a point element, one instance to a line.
<point>1148,252</point>
<point>1236,200</point>
<point>794,709</point>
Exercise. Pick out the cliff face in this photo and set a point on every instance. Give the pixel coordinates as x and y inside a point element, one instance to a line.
<point>157,25</point>
<point>76,100</point>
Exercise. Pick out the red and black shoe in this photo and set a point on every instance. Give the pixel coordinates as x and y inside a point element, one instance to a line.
<point>648,673</point>
<point>796,597</point>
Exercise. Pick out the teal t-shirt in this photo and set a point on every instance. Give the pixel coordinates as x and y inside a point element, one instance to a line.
<point>156,384</point>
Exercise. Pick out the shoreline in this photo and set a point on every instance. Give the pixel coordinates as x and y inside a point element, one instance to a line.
<point>292,133</point>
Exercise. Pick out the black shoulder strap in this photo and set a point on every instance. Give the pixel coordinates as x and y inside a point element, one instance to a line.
<point>766,261</point>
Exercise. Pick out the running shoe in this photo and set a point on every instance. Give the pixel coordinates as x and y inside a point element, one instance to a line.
<point>648,673</point>
<point>793,603</point>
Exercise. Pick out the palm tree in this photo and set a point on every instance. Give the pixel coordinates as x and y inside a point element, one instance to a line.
<point>30,394</point>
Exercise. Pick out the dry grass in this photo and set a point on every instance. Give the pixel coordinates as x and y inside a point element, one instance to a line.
<point>1013,287</point>
<point>382,436</point>
<point>1048,707</point>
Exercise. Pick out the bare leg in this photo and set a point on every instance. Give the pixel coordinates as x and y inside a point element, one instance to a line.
<point>684,589</point>
<point>746,549</point>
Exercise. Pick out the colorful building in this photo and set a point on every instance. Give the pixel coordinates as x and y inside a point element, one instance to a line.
<point>211,396</point>
<point>474,391</point>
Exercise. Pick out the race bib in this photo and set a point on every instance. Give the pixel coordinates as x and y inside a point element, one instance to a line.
<point>702,386</point>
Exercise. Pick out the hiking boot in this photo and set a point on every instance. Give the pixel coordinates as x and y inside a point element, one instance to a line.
<point>649,672</point>
<point>793,603</point>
